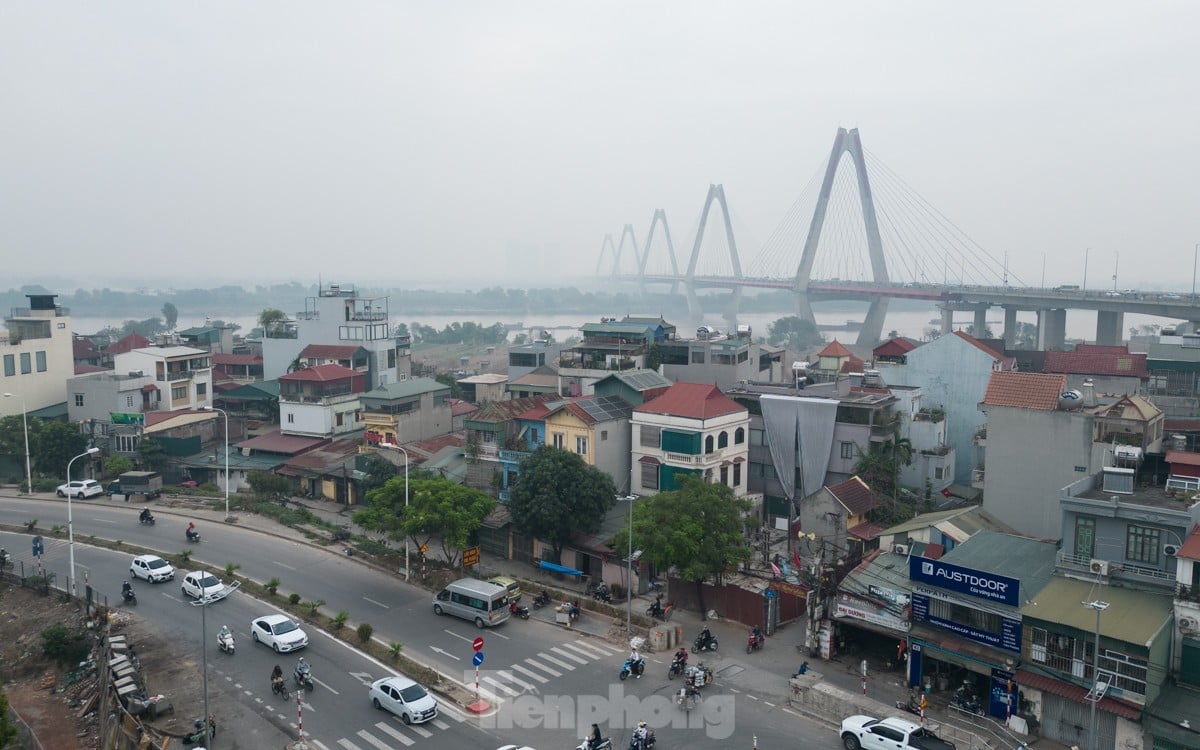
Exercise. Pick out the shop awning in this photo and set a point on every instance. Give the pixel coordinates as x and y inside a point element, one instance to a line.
<point>960,651</point>
<point>1070,691</point>
<point>556,568</point>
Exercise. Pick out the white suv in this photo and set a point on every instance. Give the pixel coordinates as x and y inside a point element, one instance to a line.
<point>80,488</point>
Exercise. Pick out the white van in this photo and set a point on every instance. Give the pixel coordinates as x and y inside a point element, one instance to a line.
<point>485,604</point>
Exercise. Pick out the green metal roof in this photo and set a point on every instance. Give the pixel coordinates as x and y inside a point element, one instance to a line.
<point>1029,560</point>
<point>53,411</point>
<point>1132,616</point>
<point>925,520</point>
<point>405,389</point>
<point>258,391</point>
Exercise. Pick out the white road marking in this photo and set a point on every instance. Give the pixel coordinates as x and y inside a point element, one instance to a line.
<point>284,565</point>
<point>769,703</point>
<point>589,646</point>
<point>377,604</point>
<point>509,676</point>
<point>530,673</point>
<point>497,684</point>
<point>543,667</point>
<point>102,520</point>
<point>348,744</point>
<point>322,684</point>
<point>451,714</point>
<point>583,651</point>
<point>391,731</point>
<point>420,730</point>
<point>557,662</point>
<point>568,655</point>
<point>370,739</point>
<point>440,724</point>
<point>318,743</point>
<point>498,635</point>
<point>456,635</point>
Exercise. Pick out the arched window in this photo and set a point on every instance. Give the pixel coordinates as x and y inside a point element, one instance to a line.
<point>739,436</point>
<point>708,444</point>
<point>723,440</point>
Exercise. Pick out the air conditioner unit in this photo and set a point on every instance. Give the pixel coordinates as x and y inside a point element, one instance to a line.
<point>900,549</point>
<point>1189,625</point>
<point>1099,567</point>
<point>1170,550</point>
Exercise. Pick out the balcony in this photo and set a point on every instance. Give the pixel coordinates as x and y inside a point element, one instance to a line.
<point>171,377</point>
<point>938,450</point>
<point>368,315</point>
<point>1081,564</point>
<point>977,478</point>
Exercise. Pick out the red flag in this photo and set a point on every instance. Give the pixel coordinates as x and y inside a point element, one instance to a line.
<point>796,560</point>
<point>946,492</point>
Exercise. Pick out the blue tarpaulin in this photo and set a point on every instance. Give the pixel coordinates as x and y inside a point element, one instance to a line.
<point>544,565</point>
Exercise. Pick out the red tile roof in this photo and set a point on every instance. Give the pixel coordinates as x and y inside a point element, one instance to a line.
<point>128,344</point>
<point>1027,390</point>
<point>237,359</point>
<point>460,408</point>
<point>854,364</point>
<point>854,495</point>
<point>1075,693</point>
<point>693,401</point>
<point>894,347</point>
<point>1181,424</point>
<point>1120,363</point>
<point>1191,546</point>
<point>83,347</point>
<point>1184,458</point>
<point>867,531</point>
<point>1103,348</point>
<point>328,351</point>
<point>974,342</point>
<point>321,373</point>
<point>835,349</point>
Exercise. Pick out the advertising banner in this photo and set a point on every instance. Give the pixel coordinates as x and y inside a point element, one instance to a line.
<point>977,583</point>
<point>1009,637</point>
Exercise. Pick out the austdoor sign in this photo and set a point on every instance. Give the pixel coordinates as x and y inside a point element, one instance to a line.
<point>978,583</point>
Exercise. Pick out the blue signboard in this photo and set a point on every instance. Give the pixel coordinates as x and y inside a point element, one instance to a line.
<point>477,659</point>
<point>977,583</point>
<point>1009,637</point>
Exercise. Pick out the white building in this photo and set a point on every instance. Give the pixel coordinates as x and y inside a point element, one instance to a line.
<point>181,377</point>
<point>36,356</point>
<point>322,401</point>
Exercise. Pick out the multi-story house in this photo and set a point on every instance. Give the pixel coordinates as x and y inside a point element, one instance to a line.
<point>596,428</point>
<point>608,346</point>
<point>525,358</point>
<point>338,315</point>
<point>1110,370</point>
<point>350,356</point>
<point>484,388</point>
<point>1173,365</point>
<point>1040,440</point>
<point>692,428</point>
<point>406,411</point>
<point>181,376</point>
<point>720,359</point>
<point>634,387</point>
<point>233,370</point>
<point>213,339</point>
<point>839,514</point>
<point>931,468</point>
<point>321,401</point>
<point>952,372</point>
<point>542,381</point>
<point>496,442</point>
<point>36,356</point>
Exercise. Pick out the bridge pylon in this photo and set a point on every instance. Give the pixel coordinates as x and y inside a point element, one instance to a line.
<point>846,142</point>
<point>715,193</point>
<point>660,216</point>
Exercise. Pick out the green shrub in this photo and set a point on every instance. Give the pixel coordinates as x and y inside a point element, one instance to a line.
<point>394,649</point>
<point>365,631</point>
<point>273,586</point>
<point>313,606</point>
<point>339,620</point>
<point>63,645</point>
<point>231,568</point>
<point>293,599</point>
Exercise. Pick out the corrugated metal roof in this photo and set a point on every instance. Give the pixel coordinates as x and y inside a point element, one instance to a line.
<point>639,380</point>
<point>1133,616</point>
<point>405,389</point>
<point>1029,560</point>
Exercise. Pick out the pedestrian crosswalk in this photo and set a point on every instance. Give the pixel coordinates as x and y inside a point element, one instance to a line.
<point>528,674</point>
<point>390,734</point>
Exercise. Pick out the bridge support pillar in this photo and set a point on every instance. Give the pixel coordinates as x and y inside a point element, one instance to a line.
<point>979,330</point>
<point>1010,327</point>
<point>1110,328</point>
<point>947,319</point>
<point>1052,329</point>
<point>872,328</point>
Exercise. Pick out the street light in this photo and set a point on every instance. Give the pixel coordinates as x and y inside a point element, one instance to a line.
<point>25,427</point>
<point>70,528</point>
<point>225,414</point>
<point>1096,693</point>
<point>629,572</point>
<point>203,603</point>
<point>393,446</point>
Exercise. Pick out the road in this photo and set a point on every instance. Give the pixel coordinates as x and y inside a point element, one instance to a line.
<point>547,684</point>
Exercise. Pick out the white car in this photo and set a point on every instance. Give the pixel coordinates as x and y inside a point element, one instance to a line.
<point>405,698</point>
<point>199,584</point>
<point>1169,296</point>
<point>79,488</point>
<point>151,568</point>
<point>280,632</point>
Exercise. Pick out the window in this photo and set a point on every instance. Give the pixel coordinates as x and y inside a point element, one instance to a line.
<point>201,389</point>
<point>558,440</point>
<point>758,437</point>
<point>723,440</point>
<point>533,436</point>
<point>79,399</point>
<point>10,365</point>
<point>650,437</point>
<point>1141,545</point>
<point>581,446</point>
<point>847,450</point>
<point>128,401</point>
<point>724,475</point>
<point>26,363</point>
<point>1085,537</point>
<point>708,444</point>
<point>737,475</point>
<point>698,357</point>
<point>339,419</point>
<point>988,622</point>
<point>739,436</point>
<point>40,357</point>
<point>756,471</point>
<point>126,443</point>
<point>603,435</point>
<point>178,392</point>
<point>291,418</point>
<point>939,472</point>
<point>649,477</point>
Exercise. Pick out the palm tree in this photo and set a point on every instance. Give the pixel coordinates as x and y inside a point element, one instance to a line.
<point>902,452</point>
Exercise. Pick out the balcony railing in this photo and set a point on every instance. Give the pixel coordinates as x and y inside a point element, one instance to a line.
<point>367,315</point>
<point>1081,563</point>
<point>177,375</point>
<point>977,478</point>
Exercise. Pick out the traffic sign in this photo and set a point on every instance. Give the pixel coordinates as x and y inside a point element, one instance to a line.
<point>470,556</point>
<point>477,644</point>
<point>38,547</point>
<point>477,659</point>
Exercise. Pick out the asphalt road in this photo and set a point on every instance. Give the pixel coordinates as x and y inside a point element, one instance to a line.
<point>547,684</point>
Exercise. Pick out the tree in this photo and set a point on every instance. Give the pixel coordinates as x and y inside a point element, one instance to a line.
<point>378,472</point>
<point>698,529</point>
<point>117,465</point>
<point>437,507</point>
<point>270,319</point>
<point>877,469</point>
<point>170,315</point>
<point>556,495</point>
<point>8,730</point>
<point>269,486</point>
<point>151,454</point>
<point>57,443</point>
<point>794,333</point>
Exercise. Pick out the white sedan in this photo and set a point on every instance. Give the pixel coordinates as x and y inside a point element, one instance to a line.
<point>151,568</point>
<point>280,632</point>
<point>405,698</point>
<point>80,488</point>
<point>199,584</point>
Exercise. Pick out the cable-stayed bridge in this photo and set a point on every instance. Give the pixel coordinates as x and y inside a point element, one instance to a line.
<point>858,232</point>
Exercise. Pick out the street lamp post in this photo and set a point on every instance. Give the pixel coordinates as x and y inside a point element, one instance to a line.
<point>629,573</point>
<point>226,415</point>
<point>203,603</point>
<point>1195,256</point>
<point>25,427</point>
<point>393,446</point>
<point>70,527</point>
<point>1096,693</point>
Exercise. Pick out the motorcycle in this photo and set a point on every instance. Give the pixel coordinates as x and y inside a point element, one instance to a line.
<point>571,608</point>
<point>3,559</point>
<point>279,687</point>
<point>635,744</point>
<point>687,697</point>
<point>192,536</point>
<point>541,599</point>
<point>599,592</point>
<point>700,675</point>
<point>518,611</point>
<point>630,667</point>
<point>705,641</point>
<point>128,595</point>
<point>225,642</point>
<point>755,641</point>
<point>604,744</point>
<point>303,677</point>
<point>658,611</point>
<point>147,520</point>
<point>197,734</point>
<point>912,706</point>
<point>966,700</point>
<point>677,667</point>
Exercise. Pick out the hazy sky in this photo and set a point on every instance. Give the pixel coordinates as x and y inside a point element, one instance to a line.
<point>254,141</point>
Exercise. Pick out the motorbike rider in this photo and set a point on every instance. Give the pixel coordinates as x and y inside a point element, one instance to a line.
<point>127,590</point>
<point>594,739</point>
<point>757,634</point>
<point>681,656</point>
<point>224,634</point>
<point>144,515</point>
<point>636,665</point>
<point>303,670</point>
<point>640,735</point>
<point>191,531</point>
<point>705,637</point>
<point>276,678</point>
<point>573,610</point>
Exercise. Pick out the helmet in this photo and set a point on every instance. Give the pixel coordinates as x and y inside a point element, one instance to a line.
<point>641,725</point>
